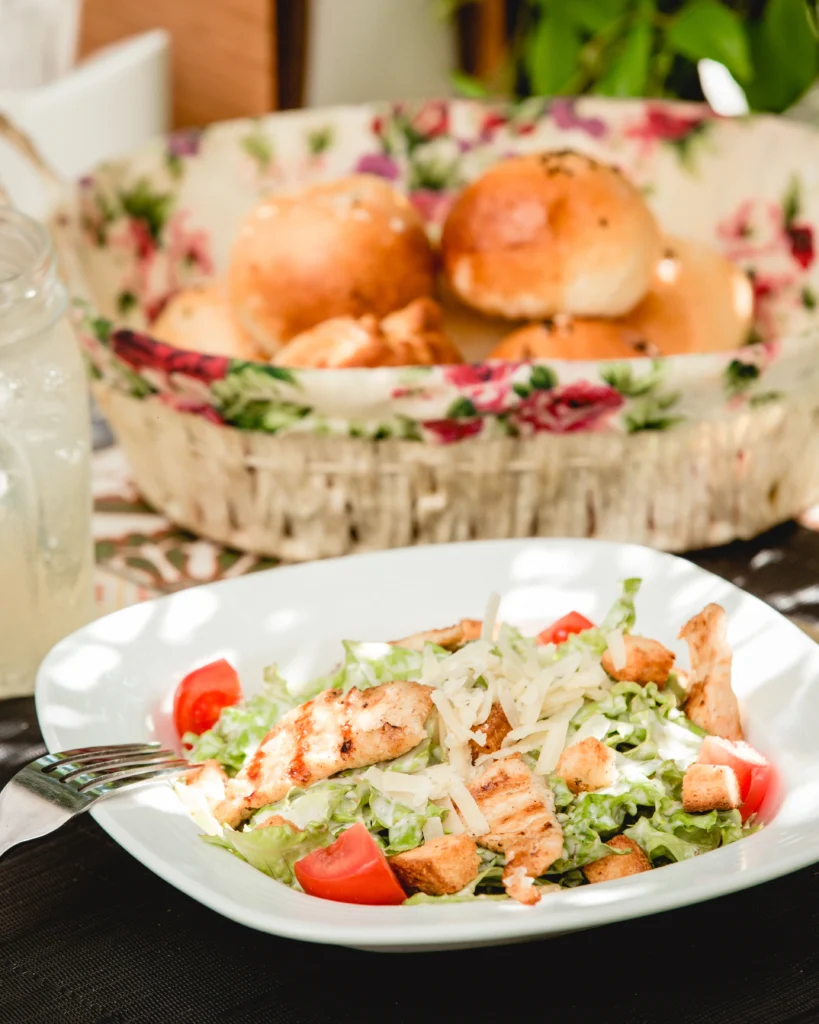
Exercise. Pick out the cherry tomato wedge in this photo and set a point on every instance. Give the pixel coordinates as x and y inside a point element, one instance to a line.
<point>351,870</point>
<point>561,630</point>
<point>755,774</point>
<point>202,694</point>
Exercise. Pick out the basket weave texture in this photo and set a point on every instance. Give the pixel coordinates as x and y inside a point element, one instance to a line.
<point>299,497</point>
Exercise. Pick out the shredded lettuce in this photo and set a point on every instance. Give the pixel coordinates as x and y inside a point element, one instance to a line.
<point>241,728</point>
<point>335,804</point>
<point>273,849</point>
<point>368,665</point>
<point>678,835</point>
<point>622,615</point>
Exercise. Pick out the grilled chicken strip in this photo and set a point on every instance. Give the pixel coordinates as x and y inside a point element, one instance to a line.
<point>452,637</point>
<point>332,732</point>
<point>711,703</point>
<point>520,810</point>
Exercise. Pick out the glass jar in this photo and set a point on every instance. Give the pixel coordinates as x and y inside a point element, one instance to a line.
<point>46,557</point>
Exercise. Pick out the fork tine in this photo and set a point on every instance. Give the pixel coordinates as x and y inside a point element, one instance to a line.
<point>100,764</point>
<point>62,756</point>
<point>117,779</point>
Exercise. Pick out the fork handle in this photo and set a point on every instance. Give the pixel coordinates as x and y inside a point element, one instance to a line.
<point>24,816</point>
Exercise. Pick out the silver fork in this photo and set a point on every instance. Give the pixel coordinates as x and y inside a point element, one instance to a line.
<point>44,794</point>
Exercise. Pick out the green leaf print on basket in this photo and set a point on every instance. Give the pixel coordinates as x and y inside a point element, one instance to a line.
<point>650,405</point>
<point>256,397</point>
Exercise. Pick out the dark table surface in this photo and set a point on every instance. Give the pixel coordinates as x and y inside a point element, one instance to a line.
<point>88,935</point>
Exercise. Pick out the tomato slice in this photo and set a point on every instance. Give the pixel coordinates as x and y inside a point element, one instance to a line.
<point>351,870</point>
<point>561,630</point>
<point>202,694</point>
<point>755,774</point>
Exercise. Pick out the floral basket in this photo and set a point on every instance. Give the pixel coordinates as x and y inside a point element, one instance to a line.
<point>680,452</point>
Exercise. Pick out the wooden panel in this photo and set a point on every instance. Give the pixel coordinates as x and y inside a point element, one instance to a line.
<point>223,51</point>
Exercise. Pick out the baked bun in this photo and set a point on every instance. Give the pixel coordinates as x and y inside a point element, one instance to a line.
<point>346,248</point>
<point>699,302</point>
<point>570,338</point>
<point>412,336</point>
<point>550,233</point>
<point>199,319</point>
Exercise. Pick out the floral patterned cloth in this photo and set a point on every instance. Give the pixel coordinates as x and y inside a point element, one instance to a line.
<point>165,218</point>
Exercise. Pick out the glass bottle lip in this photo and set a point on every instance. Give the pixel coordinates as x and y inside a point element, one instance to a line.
<point>34,243</point>
<point>31,294</point>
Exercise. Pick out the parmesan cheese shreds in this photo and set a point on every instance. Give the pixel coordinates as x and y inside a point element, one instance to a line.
<point>453,721</point>
<point>556,739</point>
<point>617,649</point>
<point>468,808</point>
<point>452,820</point>
<point>433,829</point>
<point>412,790</point>
<point>507,702</point>
<point>597,726</point>
<point>489,616</point>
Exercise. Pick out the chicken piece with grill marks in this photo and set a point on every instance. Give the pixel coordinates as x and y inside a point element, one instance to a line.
<point>711,702</point>
<point>324,736</point>
<point>520,810</point>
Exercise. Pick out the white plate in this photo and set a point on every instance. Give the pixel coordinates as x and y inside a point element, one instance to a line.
<point>112,682</point>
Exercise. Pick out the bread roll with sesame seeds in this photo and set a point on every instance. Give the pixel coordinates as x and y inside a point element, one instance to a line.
<point>346,248</point>
<point>551,233</point>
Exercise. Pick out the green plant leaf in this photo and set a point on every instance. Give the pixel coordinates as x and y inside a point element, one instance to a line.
<point>594,15</point>
<point>708,29</point>
<point>468,85</point>
<point>784,54</point>
<point>552,54</point>
<point>628,72</point>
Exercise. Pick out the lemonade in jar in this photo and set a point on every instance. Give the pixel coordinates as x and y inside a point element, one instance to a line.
<point>46,557</point>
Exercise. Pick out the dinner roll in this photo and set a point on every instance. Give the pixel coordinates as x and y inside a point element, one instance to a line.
<point>413,336</point>
<point>570,338</point>
<point>199,319</point>
<point>698,302</point>
<point>550,233</point>
<point>349,247</point>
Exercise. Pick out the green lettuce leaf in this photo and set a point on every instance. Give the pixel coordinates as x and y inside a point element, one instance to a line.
<point>622,615</point>
<point>368,664</point>
<point>241,728</point>
<point>678,836</point>
<point>273,849</point>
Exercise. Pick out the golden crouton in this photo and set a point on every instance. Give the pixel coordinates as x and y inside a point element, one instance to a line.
<point>587,765</point>
<point>276,821</point>
<point>647,661</point>
<point>618,865</point>
<point>496,727</point>
<point>710,787</point>
<point>438,868</point>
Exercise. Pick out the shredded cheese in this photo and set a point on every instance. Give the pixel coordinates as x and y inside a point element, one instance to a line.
<point>433,829</point>
<point>617,649</point>
<point>491,613</point>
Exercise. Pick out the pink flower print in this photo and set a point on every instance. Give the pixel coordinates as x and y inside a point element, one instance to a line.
<point>564,116</point>
<point>378,163</point>
<point>433,206</point>
<point>450,431</point>
<point>188,247</point>
<point>568,409</point>
<point>487,385</point>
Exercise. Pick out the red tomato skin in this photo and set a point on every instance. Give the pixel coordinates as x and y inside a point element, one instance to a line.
<point>756,776</point>
<point>742,757</point>
<point>202,694</point>
<point>561,630</point>
<point>351,870</point>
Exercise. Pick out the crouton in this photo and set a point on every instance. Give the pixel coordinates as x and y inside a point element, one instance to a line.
<point>647,661</point>
<point>438,868</point>
<point>587,765</point>
<point>451,637</point>
<point>496,727</point>
<point>710,787</point>
<point>711,702</point>
<point>276,821</point>
<point>618,865</point>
